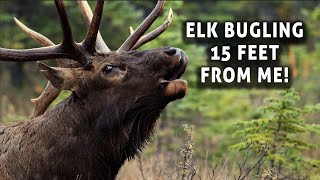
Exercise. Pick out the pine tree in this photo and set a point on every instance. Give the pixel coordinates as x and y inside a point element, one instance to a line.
<point>283,128</point>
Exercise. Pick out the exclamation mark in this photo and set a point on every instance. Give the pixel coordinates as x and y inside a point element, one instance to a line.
<point>286,75</point>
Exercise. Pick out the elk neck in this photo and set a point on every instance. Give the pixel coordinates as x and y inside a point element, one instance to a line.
<point>117,128</point>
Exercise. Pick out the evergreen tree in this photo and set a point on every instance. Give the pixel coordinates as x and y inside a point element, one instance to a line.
<point>284,129</point>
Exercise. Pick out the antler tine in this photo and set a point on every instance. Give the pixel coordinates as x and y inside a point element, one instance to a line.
<point>42,40</point>
<point>144,26</point>
<point>89,42</point>
<point>42,102</point>
<point>87,16</point>
<point>64,22</point>
<point>155,33</point>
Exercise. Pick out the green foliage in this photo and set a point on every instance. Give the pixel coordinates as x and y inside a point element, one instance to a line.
<point>283,127</point>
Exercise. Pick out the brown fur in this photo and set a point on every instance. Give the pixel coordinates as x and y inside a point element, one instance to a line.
<point>107,119</point>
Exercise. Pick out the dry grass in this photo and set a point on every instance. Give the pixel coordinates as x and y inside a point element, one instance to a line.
<point>163,167</point>
<point>184,166</point>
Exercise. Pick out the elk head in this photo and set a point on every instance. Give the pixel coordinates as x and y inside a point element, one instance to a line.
<point>129,83</point>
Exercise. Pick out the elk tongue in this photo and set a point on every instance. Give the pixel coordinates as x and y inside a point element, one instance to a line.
<point>175,89</point>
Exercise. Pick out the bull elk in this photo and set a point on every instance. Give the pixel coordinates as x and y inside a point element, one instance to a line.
<point>117,97</point>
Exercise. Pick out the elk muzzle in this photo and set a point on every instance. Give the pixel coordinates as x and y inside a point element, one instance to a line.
<point>175,88</point>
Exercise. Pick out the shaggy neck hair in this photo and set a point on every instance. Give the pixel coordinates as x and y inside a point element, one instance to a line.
<point>112,133</point>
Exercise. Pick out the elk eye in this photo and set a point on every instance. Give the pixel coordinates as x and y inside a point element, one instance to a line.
<point>108,69</point>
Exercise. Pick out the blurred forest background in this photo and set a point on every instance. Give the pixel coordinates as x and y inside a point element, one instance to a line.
<point>235,134</point>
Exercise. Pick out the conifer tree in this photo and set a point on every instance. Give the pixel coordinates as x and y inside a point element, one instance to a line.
<point>284,129</point>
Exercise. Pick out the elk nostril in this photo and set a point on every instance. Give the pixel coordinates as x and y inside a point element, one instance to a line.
<point>171,51</point>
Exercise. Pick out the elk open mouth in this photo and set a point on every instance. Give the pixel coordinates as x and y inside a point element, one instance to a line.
<point>173,86</point>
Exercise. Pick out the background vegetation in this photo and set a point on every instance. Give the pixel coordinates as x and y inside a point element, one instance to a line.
<point>236,134</point>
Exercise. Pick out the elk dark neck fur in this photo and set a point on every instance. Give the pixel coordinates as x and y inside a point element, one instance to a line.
<point>80,137</point>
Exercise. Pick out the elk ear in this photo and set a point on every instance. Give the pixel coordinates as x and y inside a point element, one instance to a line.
<point>60,78</point>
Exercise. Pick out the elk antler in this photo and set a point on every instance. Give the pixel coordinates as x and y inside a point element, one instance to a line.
<point>136,39</point>
<point>80,52</point>
<point>89,42</point>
